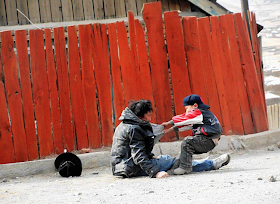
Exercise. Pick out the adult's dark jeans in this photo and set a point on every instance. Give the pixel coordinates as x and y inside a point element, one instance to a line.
<point>195,145</point>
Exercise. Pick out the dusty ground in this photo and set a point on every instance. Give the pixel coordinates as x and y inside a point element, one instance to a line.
<point>247,179</point>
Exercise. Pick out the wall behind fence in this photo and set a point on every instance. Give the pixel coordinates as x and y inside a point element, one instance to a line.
<point>43,11</point>
<point>68,93</point>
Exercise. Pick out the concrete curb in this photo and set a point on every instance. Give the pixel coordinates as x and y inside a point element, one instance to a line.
<point>228,144</point>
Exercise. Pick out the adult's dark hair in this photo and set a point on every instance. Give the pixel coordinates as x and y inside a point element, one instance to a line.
<point>139,108</point>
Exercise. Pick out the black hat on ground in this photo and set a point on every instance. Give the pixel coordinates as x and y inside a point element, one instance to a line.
<point>192,99</point>
<point>68,164</point>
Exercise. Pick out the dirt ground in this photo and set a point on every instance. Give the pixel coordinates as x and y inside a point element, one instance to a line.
<point>250,177</point>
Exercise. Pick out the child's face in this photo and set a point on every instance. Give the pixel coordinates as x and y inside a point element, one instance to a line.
<point>189,108</point>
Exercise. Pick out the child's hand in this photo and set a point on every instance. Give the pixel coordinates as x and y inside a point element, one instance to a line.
<point>165,124</point>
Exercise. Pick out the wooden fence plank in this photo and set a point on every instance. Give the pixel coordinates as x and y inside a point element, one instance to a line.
<point>269,116</point>
<point>146,90</point>
<point>53,91</point>
<point>88,9</point>
<point>194,61</point>
<point>215,56</point>
<point>120,8</point>
<point>77,100</point>
<point>78,11</point>
<point>3,18</point>
<point>6,141</point>
<point>56,10</point>
<point>131,6</point>
<point>109,8</point>
<point>210,80</point>
<point>64,92</point>
<point>40,92</point>
<point>34,12</point>
<point>11,11</point>
<point>127,69</point>
<point>14,96</point>
<point>67,12</point>
<point>98,9</point>
<point>174,5</point>
<point>257,54</point>
<point>103,81</point>
<point>45,11</point>
<point>229,79</point>
<point>239,78</point>
<point>152,15</point>
<point>133,51</point>
<point>118,96</point>
<point>250,75</point>
<point>139,4</point>
<point>254,34</point>
<point>276,116</point>
<point>29,120</point>
<point>89,86</point>
<point>177,59</point>
<point>22,6</point>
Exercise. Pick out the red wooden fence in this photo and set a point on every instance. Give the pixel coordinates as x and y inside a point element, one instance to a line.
<point>69,93</point>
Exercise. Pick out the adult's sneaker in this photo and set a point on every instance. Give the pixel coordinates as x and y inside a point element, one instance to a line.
<point>221,161</point>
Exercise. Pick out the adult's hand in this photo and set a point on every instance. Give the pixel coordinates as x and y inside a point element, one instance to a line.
<point>162,174</point>
<point>168,130</point>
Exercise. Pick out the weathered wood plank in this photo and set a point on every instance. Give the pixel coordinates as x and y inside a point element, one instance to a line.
<point>77,100</point>
<point>22,6</point>
<point>185,6</point>
<point>109,8</point>
<point>29,120</point>
<point>165,5</point>
<point>89,86</point>
<point>120,8</point>
<point>40,92</point>
<point>67,12</point>
<point>56,10</point>
<point>209,7</point>
<point>269,116</point>
<point>34,11</point>
<point>45,11</point>
<point>11,11</point>
<point>174,5</point>
<point>53,90</point>
<point>88,9</point>
<point>13,92</point>
<point>64,91</point>
<point>3,18</point>
<point>152,15</point>
<point>98,9</point>
<point>139,6</point>
<point>78,10</point>
<point>131,6</point>
<point>119,103</point>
